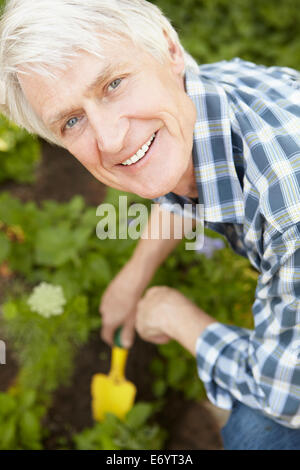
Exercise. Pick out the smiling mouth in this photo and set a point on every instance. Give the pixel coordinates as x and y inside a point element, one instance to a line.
<point>140,153</point>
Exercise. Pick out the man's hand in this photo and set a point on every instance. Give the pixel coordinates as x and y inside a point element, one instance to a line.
<point>155,314</point>
<point>119,301</point>
<point>164,313</point>
<point>118,305</point>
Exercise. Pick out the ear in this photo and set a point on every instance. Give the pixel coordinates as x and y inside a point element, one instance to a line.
<point>175,56</point>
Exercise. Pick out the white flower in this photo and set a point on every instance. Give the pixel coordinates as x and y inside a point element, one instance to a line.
<point>47,300</point>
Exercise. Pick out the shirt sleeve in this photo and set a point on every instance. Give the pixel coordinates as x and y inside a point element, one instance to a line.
<point>261,367</point>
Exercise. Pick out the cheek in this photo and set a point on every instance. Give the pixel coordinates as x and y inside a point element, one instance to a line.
<point>85,151</point>
<point>144,99</point>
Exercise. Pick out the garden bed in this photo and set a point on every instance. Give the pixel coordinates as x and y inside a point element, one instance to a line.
<point>189,424</point>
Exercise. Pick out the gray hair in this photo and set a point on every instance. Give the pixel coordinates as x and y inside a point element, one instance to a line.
<point>46,35</point>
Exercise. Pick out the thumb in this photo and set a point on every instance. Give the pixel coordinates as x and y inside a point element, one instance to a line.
<point>128,332</point>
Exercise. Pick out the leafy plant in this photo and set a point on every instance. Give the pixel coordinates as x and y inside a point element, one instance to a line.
<point>60,246</point>
<point>46,347</point>
<point>176,368</point>
<point>263,31</point>
<point>20,420</point>
<point>19,153</point>
<point>132,434</point>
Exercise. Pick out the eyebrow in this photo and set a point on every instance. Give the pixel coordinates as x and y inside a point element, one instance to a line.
<point>101,77</point>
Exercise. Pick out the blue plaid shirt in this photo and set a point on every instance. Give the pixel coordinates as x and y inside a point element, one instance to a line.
<point>246,159</point>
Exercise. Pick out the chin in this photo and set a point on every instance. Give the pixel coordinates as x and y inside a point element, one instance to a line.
<point>151,193</point>
<point>161,181</point>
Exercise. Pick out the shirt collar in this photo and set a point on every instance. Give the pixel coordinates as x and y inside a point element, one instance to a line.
<point>218,185</point>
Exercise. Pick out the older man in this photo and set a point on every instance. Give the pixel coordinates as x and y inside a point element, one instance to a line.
<point>109,81</point>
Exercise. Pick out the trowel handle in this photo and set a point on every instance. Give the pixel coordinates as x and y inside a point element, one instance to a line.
<point>118,357</point>
<point>117,338</point>
<point>118,363</point>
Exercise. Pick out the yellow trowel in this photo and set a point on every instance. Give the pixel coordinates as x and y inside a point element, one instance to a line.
<point>112,393</point>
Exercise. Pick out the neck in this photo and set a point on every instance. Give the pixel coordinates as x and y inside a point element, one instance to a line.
<point>187,185</point>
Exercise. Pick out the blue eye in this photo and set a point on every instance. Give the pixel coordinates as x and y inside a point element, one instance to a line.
<point>72,122</point>
<point>115,83</point>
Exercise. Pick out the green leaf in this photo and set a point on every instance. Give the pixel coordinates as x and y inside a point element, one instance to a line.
<point>7,404</point>
<point>5,246</point>
<point>107,443</point>
<point>157,367</point>
<point>54,246</point>
<point>76,206</point>
<point>138,415</point>
<point>19,152</point>
<point>30,430</point>
<point>8,439</point>
<point>159,387</point>
<point>170,349</point>
<point>27,399</point>
<point>10,310</point>
<point>97,269</point>
<point>176,370</point>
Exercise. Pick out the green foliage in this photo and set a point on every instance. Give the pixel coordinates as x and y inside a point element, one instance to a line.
<point>5,246</point>
<point>262,31</point>
<point>19,153</point>
<point>20,420</point>
<point>135,433</point>
<point>176,368</point>
<point>61,247</point>
<point>46,347</point>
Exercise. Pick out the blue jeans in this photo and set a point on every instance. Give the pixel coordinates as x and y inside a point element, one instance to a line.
<point>248,429</point>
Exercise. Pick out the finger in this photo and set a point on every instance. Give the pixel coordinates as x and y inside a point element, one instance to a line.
<point>107,333</point>
<point>100,308</point>
<point>103,307</point>
<point>160,339</point>
<point>157,339</point>
<point>128,332</point>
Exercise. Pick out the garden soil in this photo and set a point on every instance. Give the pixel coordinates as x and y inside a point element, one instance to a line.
<point>190,425</point>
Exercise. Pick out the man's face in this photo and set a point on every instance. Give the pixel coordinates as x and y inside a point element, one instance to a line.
<point>105,111</point>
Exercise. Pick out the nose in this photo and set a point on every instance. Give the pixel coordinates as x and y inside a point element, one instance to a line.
<point>110,129</point>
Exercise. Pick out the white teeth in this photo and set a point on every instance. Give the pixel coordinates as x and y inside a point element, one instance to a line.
<point>135,158</point>
<point>140,153</point>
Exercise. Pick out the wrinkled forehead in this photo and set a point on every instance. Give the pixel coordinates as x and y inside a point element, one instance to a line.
<point>65,58</point>
<point>47,92</point>
<point>110,55</point>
